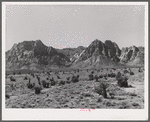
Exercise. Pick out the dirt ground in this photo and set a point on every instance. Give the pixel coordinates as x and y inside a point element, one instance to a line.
<point>78,95</point>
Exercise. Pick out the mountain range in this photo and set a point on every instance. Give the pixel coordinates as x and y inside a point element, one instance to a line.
<point>34,55</point>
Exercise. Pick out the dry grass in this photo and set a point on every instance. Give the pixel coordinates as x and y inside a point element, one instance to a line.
<point>80,94</point>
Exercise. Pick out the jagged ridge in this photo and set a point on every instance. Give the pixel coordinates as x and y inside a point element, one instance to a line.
<point>31,54</point>
<point>35,55</point>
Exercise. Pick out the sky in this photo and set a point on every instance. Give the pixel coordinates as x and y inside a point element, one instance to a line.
<point>63,26</point>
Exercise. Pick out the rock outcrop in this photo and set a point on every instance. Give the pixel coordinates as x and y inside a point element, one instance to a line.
<point>71,52</point>
<point>35,55</point>
<point>100,54</point>
<point>128,54</point>
<point>137,58</point>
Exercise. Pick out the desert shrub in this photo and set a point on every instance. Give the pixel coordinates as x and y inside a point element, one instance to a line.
<point>7,96</point>
<point>32,74</point>
<point>105,75</point>
<point>30,85</point>
<point>124,105</point>
<point>45,84</point>
<point>19,73</point>
<point>75,78</point>
<point>87,94</point>
<point>88,87</point>
<point>62,82</point>
<point>140,70</point>
<point>100,99</point>
<point>68,81</point>
<point>131,73</point>
<point>101,89</point>
<point>118,75</point>
<point>91,77</point>
<point>53,83</point>
<point>132,94</point>
<point>12,78</point>
<point>125,71</point>
<point>37,89</point>
<point>68,78</point>
<point>109,75</point>
<point>96,77</point>
<point>135,104</point>
<point>51,79</point>
<point>38,78</point>
<point>58,77</point>
<point>112,75</point>
<point>112,94</point>
<point>109,103</point>
<point>122,81</point>
<point>63,101</point>
<point>92,72</point>
<point>12,87</point>
<point>25,78</point>
<point>101,76</point>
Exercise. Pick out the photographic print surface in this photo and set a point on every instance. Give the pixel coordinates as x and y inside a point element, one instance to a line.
<point>84,57</point>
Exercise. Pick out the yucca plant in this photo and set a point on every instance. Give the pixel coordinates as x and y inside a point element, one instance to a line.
<point>91,77</point>
<point>7,96</point>
<point>101,89</point>
<point>122,80</point>
<point>37,89</point>
<point>96,78</point>
<point>12,78</point>
<point>75,78</point>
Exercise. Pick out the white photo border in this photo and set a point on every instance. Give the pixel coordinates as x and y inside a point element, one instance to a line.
<point>75,114</point>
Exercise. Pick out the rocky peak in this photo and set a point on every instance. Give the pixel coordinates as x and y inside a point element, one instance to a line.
<point>109,44</point>
<point>38,43</point>
<point>81,47</point>
<point>27,53</point>
<point>96,47</point>
<point>108,49</point>
<point>128,54</point>
<point>113,50</point>
<point>26,45</point>
<point>34,54</point>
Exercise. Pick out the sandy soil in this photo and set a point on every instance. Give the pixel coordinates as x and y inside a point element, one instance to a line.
<point>78,95</point>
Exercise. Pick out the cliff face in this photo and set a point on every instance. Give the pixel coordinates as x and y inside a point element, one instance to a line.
<point>108,54</point>
<point>29,54</point>
<point>36,55</point>
<point>108,49</point>
<point>100,54</point>
<point>71,52</point>
<point>128,54</point>
<point>137,56</point>
<point>132,56</point>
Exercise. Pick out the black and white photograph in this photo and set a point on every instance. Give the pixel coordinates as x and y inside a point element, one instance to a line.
<point>76,60</point>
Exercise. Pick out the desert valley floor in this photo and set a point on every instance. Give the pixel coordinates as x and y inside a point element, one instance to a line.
<point>62,91</point>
